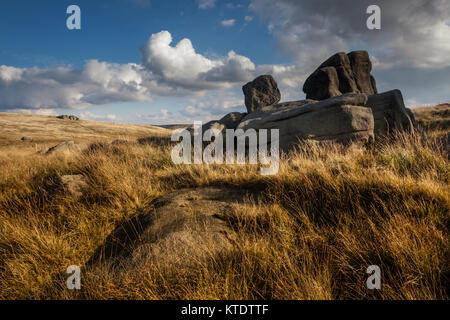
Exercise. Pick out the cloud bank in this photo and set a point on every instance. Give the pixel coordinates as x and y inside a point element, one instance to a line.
<point>165,70</point>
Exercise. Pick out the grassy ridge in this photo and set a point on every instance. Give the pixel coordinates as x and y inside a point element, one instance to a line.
<point>326,216</point>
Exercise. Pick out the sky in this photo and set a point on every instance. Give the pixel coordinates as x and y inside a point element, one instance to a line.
<point>179,61</point>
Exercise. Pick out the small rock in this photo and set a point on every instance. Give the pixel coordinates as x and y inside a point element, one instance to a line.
<point>26,139</point>
<point>64,146</point>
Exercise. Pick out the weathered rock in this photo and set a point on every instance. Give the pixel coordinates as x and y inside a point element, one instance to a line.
<point>66,117</point>
<point>185,227</point>
<point>362,66</point>
<point>73,184</point>
<point>322,84</point>
<point>389,112</point>
<point>261,92</point>
<point>340,74</point>
<point>64,146</point>
<point>232,120</point>
<point>342,119</point>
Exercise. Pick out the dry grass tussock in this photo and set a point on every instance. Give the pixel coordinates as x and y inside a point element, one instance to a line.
<point>328,214</point>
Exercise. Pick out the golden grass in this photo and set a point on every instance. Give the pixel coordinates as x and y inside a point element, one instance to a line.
<point>328,214</point>
<point>436,119</point>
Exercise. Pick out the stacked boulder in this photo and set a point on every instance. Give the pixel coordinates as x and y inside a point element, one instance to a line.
<point>342,104</point>
<point>341,73</point>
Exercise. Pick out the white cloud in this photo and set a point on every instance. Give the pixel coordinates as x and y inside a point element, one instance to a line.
<point>206,4</point>
<point>248,18</point>
<point>180,66</point>
<point>228,23</point>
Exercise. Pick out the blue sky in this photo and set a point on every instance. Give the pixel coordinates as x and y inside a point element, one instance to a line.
<point>46,68</point>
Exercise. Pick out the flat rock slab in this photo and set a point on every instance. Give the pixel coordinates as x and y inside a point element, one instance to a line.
<point>342,119</point>
<point>184,226</point>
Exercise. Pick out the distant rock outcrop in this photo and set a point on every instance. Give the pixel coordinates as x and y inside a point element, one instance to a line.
<point>66,117</point>
<point>261,92</point>
<point>341,73</point>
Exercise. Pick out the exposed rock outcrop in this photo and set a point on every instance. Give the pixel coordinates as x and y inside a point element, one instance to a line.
<point>341,74</point>
<point>185,226</point>
<point>261,92</point>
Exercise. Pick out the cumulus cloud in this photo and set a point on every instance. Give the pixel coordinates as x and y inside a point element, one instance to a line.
<point>228,23</point>
<point>205,4</point>
<point>182,67</point>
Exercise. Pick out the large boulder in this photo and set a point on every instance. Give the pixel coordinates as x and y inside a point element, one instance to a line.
<point>261,92</point>
<point>341,73</point>
<point>389,113</point>
<point>342,119</point>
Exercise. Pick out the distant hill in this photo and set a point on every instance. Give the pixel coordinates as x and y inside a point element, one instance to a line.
<point>49,129</point>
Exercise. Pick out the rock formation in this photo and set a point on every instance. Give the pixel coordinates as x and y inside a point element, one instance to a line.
<point>261,92</point>
<point>342,119</point>
<point>341,73</point>
<point>66,117</point>
<point>342,104</point>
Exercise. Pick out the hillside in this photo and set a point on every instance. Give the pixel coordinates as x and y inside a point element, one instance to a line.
<point>46,131</point>
<point>142,227</point>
